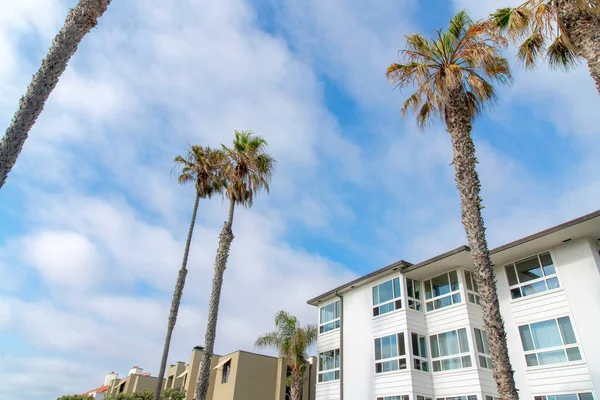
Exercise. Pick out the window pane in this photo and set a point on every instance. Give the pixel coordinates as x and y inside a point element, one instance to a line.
<point>448,343</point>
<point>510,274</point>
<point>375,295</point>
<point>483,361</point>
<point>397,292</point>
<point>417,286</point>
<point>337,358</point>
<point>386,292</point>
<point>437,366</point>
<point>529,269</point>
<point>378,349</point>
<point>410,292</point>
<point>425,366</point>
<point>526,338</point>
<point>479,341</point>
<point>430,306</point>
<point>464,343</point>
<point>573,354</point>
<point>456,298</point>
<point>553,283</point>
<point>534,288</point>
<point>545,334</point>
<point>468,280</point>
<point>566,330</point>
<point>552,357</point>
<point>547,264</point>
<point>486,345</point>
<point>586,396</point>
<point>423,346</point>
<point>454,280</point>
<point>441,285</point>
<point>428,292</point>
<point>415,343</point>
<point>327,313</point>
<point>401,345</point>
<point>466,361</point>
<point>434,346</point>
<point>337,309</point>
<point>515,293</point>
<point>417,363</point>
<point>402,362</point>
<point>531,360</point>
<point>471,298</point>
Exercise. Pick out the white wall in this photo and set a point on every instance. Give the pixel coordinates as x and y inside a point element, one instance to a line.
<point>328,341</point>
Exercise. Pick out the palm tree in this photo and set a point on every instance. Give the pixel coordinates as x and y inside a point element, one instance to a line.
<point>247,171</point>
<point>560,30</point>
<point>203,167</point>
<point>80,20</point>
<point>451,74</point>
<point>291,341</point>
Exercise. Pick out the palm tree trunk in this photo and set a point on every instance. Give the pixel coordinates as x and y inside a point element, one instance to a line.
<point>80,20</point>
<point>296,387</point>
<point>225,239</point>
<point>583,28</point>
<point>176,301</point>
<point>459,125</point>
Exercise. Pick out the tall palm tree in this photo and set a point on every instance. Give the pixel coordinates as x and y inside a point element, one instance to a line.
<point>291,341</point>
<point>451,74</point>
<point>560,30</point>
<point>247,171</point>
<point>201,166</point>
<point>80,20</point>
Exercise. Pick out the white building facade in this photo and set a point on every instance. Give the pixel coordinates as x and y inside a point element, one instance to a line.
<point>415,331</point>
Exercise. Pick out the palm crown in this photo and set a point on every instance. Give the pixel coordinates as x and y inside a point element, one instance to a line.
<point>536,24</point>
<point>249,167</point>
<point>203,166</point>
<point>462,60</point>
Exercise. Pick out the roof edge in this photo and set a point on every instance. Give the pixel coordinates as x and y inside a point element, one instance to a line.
<point>439,257</point>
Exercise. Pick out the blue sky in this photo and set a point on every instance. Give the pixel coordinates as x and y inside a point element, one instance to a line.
<point>93,222</point>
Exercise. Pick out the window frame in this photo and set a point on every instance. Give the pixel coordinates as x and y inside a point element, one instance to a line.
<point>562,347</point>
<point>336,367</point>
<point>461,355</point>
<point>423,360</point>
<point>451,294</point>
<point>413,302</point>
<point>401,355</point>
<point>484,342</point>
<point>225,371</point>
<point>545,278</point>
<point>423,397</point>
<point>396,301</point>
<point>474,292</point>
<point>459,397</point>
<point>336,321</point>
<point>577,393</point>
<point>394,397</point>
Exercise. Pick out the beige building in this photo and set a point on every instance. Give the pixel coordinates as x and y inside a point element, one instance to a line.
<point>136,381</point>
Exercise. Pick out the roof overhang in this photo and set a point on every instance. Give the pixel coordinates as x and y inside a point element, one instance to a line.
<point>222,363</point>
<point>439,263</point>
<point>184,373</point>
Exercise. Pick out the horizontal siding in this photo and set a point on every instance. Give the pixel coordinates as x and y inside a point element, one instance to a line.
<point>328,341</point>
<point>389,323</point>
<point>328,391</point>
<point>488,384</point>
<point>443,320</point>
<point>392,384</point>
<point>563,378</point>
<point>415,321</point>
<point>422,383</point>
<point>458,382</point>
<point>540,307</point>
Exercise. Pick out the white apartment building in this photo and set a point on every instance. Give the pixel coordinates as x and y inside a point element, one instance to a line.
<point>415,331</point>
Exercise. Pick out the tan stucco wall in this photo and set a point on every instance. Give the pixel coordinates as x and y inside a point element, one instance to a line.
<point>192,376</point>
<point>256,377</point>
<point>139,383</point>
<point>225,391</point>
<point>171,381</point>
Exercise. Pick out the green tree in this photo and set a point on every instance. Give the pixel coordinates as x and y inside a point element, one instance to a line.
<point>172,394</point>
<point>247,171</point>
<point>451,74</point>
<point>74,397</point>
<point>80,20</point>
<point>559,30</point>
<point>292,342</point>
<point>201,166</point>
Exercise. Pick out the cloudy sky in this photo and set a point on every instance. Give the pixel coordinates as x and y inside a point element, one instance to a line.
<point>93,222</point>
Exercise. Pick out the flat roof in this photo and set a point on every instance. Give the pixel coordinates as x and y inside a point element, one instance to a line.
<point>460,253</point>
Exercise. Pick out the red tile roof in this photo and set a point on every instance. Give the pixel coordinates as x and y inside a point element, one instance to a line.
<point>101,389</point>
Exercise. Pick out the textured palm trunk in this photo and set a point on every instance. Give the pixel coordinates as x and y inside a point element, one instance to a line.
<point>459,125</point>
<point>225,239</point>
<point>176,301</point>
<point>80,20</point>
<point>583,28</point>
<point>296,387</point>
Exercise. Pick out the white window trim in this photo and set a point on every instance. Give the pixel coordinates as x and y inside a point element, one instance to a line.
<point>329,322</point>
<point>576,392</point>
<point>405,396</point>
<point>450,294</point>
<point>425,397</point>
<point>400,283</point>
<point>480,354</point>
<point>545,349</point>
<point>319,372</point>
<point>473,292</point>
<point>398,357</point>
<point>544,278</point>
<point>420,358</point>
<point>458,355</point>
<point>409,298</point>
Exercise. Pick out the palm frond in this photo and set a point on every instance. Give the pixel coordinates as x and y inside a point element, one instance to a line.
<point>531,49</point>
<point>512,21</point>
<point>560,56</point>
<point>459,23</point>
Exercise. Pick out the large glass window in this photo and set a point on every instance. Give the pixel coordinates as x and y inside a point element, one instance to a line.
<point>471,397</point>
<point>401,397</point>
<point>570,396</point>
<point>226,371</point>
<point>419,397</point>
<point>483,349</point>
<point>390,353</point>
<point>472,288</point>
<point>329,317</point>
<point>488,397</point>
<point>419,351</point>
<point>386,297</point>
<point>450,350</point>
<point>533,275</point>
<point>442,291</point>
<point>329,365</point>
<point>413,288</point>
<point>549,342</point>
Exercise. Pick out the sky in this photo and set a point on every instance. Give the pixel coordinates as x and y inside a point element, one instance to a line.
<point>93,222</point>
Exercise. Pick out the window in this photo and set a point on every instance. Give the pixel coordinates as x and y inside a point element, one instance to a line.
<point>488,397</point>
<point>329,317</point>
<point>570,396</point>
<point>413,288</point>
<point>472,288</point>
<point>419,351</point>
<point>530,276</point>
<point>329,365</point>
<point>226,370</point>
<point>403,397</point>
<point>386,297</point>
<point>442,291</point>
<point>472,397</point>
<point>450,350</point>
<point>419,397</point>
<point>390,353</point>
<point>483,349</point>
<point>549,342</point>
